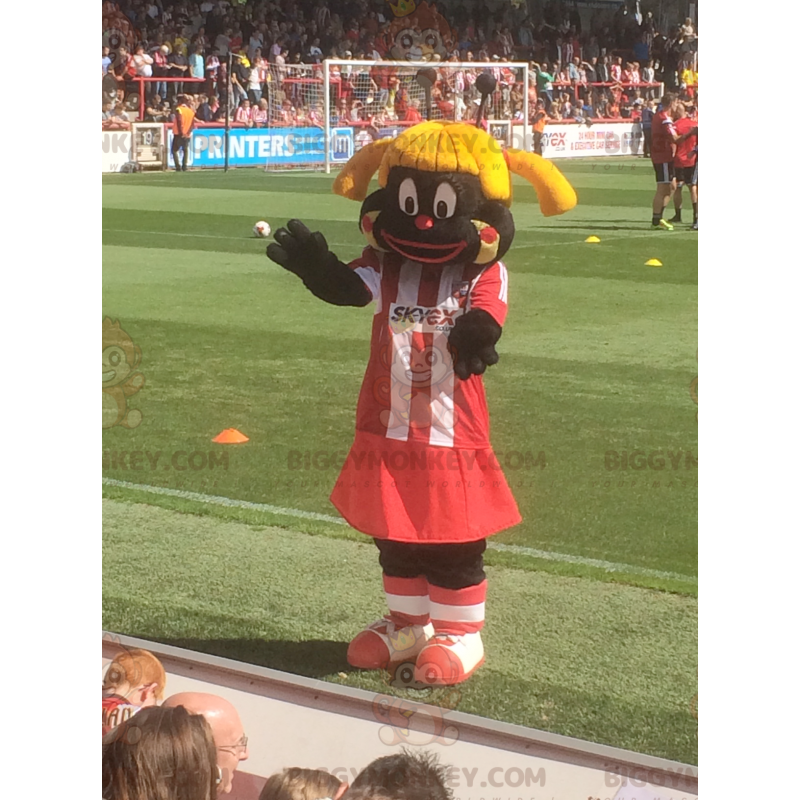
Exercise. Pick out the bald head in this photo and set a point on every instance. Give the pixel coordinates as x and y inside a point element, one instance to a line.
<point>226,726</point>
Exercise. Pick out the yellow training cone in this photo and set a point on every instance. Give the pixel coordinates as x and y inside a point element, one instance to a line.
<point>592,239</point>
<point>230,436</point>
<point>653,262</point>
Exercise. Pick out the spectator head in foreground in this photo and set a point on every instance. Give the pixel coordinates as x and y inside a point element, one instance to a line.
<point>160,754</point>
<point>405,776</point>
<point>302,784</point>
<point>229,738</point>
<point>136,675</point>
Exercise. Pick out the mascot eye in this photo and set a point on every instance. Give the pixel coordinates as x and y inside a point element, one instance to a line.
<point>408,197</point>
<point>430,357</point>
<point>444,203</point>
<point>114,359</point>
<point>406,41</point>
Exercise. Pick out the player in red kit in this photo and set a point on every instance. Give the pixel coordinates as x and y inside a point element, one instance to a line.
<point>685,161</point>
<point>662,153</point>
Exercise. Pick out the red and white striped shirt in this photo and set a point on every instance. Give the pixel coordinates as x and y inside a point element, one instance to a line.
<point>410,392</point>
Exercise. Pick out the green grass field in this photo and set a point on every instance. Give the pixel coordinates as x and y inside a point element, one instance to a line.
<point>592,607</point>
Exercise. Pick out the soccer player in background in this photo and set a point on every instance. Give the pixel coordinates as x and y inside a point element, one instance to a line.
<point>685,162</point>
<point>662,152</point>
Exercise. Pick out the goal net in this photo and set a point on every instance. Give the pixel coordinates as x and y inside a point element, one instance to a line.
<point>329,111</point>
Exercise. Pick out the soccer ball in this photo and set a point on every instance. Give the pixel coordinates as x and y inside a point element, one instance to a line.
<point>262,229</point>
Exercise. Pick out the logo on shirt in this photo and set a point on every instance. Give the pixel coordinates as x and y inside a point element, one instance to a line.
<point>461,289</point>
<point>423,319</point>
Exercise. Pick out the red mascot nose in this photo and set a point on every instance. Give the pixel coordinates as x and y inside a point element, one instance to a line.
<point>423,222</point>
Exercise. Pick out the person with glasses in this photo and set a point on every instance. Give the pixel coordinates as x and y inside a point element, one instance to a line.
<point>229,737</point>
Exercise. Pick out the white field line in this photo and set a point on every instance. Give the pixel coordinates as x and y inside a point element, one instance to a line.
<point>529,246</point>
<point>216,500</point>
<point>204,236</point>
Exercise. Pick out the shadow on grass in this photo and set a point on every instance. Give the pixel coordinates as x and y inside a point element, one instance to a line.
<point>311,659</point>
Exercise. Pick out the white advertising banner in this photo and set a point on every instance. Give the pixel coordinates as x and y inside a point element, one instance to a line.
<point>599,139</point>
<point>116,150</point>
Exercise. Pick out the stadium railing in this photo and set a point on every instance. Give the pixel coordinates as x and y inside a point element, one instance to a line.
<point>142,81</point>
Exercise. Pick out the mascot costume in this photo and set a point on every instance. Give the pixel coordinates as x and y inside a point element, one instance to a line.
<point>421,477</point>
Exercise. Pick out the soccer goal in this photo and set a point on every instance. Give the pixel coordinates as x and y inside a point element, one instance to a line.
<point>326,112</point>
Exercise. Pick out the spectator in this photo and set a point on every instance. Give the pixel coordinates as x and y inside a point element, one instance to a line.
<point>164,753</point>
<point>412,112</point>
<point>197,67</point>
<point>122,66</point>
<point>210,110</point>
<point>244,114</point>
<point>261,114</point>
<point>160,53</point>
<point>649,76</point>
<point>406,776</point>
<point>688,80</point>
<point>178,66</point>
<point>222,43</point>
<point>544,82</point>
<point>154,111</point>
<point>212,70</point>
<point>106,60</point>
<point>592,50</point>
<point>314,52</point>
<point>229,738</point>
<point>573,74</point>
<point>641,50</point>
<point>256,78</point>
<point>302,784</point>
<point>615,71</point>
<point>135,678</point>
<point>142,63</point>
<point>554,112</point>
<point>603,70</point>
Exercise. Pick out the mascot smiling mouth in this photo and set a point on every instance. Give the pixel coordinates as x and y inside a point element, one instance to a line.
<point>420,251</point>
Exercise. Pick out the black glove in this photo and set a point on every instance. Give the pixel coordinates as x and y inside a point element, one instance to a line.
<point>306,254</point>
<point>472,342</point>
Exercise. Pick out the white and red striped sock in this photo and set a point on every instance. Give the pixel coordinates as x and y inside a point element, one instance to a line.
<point>458,611</point>
<point>407,599</point>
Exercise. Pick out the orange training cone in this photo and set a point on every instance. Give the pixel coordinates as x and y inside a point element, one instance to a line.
<point>230,436</point>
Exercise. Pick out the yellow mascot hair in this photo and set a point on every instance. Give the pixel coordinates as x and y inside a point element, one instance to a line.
<point>457,147</point>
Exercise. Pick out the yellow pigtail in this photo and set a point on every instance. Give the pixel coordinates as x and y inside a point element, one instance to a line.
<point>353,181</point>
<point>554,191</point>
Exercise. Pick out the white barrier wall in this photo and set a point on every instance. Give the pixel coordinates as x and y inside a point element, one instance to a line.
<point>598,139</point>
<point>296,721</point>
<point>116,150</point>
<point>293,147</point>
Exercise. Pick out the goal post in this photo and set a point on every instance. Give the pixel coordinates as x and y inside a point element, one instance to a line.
<point>366,100</point>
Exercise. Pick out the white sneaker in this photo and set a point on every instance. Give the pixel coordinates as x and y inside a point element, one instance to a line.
<point>386,642</point>
<point>448,659</point>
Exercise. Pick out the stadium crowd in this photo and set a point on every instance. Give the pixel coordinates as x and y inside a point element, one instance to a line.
<point>189,745</point>
<point>606,70</point>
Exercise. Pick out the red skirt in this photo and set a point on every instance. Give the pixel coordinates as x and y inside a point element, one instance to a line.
<point>413,492</point>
